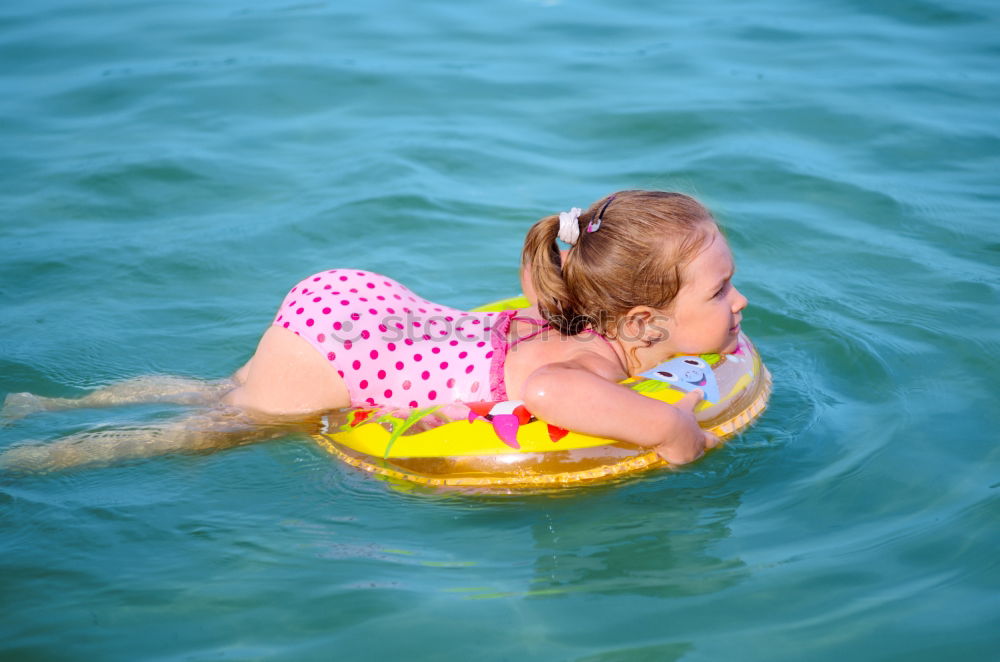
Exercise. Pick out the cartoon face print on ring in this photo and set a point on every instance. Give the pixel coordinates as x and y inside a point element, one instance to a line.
<point>687,373</point>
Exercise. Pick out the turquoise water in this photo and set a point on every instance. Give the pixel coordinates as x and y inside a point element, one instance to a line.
<point>169,170</point>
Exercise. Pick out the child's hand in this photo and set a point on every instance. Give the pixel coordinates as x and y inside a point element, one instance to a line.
<point>554,392</point>
<point>687,441</point>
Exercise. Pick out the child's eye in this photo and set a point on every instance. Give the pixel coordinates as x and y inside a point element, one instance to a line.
<point>722,290</point>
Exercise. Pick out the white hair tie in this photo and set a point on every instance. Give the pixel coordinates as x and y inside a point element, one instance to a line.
<point>569,225</point>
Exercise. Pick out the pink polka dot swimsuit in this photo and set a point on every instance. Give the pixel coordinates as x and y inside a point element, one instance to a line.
<point>392,347</point>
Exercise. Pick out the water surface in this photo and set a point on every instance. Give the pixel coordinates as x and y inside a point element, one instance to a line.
<point>170,170</point>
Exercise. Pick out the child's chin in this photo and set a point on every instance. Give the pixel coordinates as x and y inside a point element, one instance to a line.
<point>731,345</point>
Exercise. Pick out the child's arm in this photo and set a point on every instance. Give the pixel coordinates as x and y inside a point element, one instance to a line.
<point>572,395</point>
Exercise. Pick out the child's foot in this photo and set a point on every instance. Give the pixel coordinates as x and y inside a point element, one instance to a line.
<point>27,458</point>
<point>19,405</point>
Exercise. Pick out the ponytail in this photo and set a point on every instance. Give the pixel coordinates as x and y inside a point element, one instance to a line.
<point>541,256</point>
<point>633,253</point>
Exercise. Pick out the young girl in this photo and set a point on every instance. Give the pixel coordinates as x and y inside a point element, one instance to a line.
<point>647,275</point>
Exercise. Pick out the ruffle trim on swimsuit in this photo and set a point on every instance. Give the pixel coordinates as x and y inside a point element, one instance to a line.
<point>500,344</point>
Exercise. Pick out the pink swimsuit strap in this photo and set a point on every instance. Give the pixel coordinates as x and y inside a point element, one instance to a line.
<point>501,346</point>
<point>543,325</point>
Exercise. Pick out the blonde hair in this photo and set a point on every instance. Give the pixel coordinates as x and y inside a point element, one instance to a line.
<point>635,258</point>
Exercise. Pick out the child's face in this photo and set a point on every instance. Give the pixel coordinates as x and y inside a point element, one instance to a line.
<point>705,315</point>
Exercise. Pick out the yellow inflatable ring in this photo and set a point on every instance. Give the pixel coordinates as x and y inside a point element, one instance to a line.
<point>500,446</point>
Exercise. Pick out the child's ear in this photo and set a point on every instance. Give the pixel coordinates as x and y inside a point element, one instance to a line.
<point>643,324</point>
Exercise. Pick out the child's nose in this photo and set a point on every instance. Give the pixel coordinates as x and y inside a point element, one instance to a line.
<point>740,302</point>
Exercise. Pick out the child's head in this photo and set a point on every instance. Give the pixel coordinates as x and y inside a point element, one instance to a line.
<point>636,257</point>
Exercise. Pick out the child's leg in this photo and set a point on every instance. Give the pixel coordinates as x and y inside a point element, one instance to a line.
<point>204,431</point>
<point>154,388</point>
